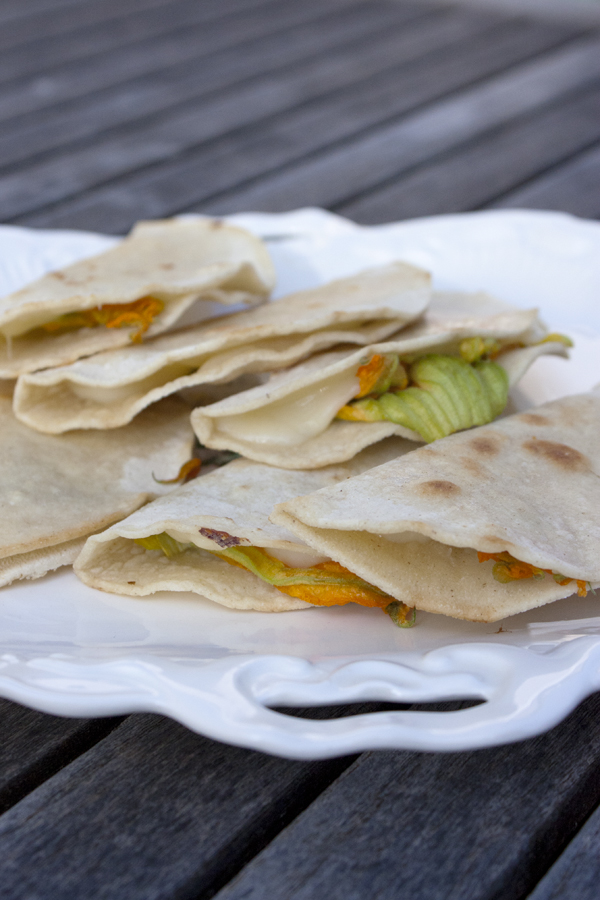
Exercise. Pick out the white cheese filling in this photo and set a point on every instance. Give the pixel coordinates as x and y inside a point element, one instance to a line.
<point>296,418</point>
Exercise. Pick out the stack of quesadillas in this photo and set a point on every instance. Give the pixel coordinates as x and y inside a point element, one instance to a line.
<point>143,286</point>
<point>337,501</point>
<point>449,371</point>
<point>108,389</point>
<point>484,524</point>
<point>58,490</point>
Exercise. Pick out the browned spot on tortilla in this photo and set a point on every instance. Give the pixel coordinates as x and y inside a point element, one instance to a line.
<point>439,488</point>
<point>222,538</point>
<point>559,454</point>
<point>167,266</point>
<point>216,223</point>
<point>494,539</point>
<point>58,275</point>
<point>486,444</point>
<point>473,466</point>
<point>534,419</point>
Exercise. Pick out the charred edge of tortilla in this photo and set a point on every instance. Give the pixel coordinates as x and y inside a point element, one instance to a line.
<point>222,538</point>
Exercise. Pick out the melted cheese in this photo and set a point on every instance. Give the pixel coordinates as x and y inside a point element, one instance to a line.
<point>296,418</point>
<point>99,394</point>
<point>297,559</point>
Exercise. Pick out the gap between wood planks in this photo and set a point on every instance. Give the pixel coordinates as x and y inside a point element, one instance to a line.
<point>169,49</point>
<point>126,28</point>
<point>154,810</point>
<point>570,186</point>
<point>144,103</point>
<point>482,825</point>
<point>476,173</point>
<point>62,19</point>
<point>367,152</point>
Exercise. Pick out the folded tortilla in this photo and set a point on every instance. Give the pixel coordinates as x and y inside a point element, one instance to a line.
<point>228,508</point>
<point>157,273</point>
<point>525,489</point>
<point>110,388</point>
<point>290,420</point>
<point>58,490</point>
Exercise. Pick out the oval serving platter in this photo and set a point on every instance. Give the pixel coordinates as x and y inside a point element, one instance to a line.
<point>70,650</point>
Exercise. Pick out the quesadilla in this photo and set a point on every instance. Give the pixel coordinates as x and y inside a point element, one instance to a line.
<point>450,371</point>
<point>110,388</point>
<point>141,287</point>
<point>481,525</point>
<point>213,537</point>
<point>58,490</point>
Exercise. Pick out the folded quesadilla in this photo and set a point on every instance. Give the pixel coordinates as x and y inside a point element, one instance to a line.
<point>482,525</point>
<point>110,388</point>
<point>58,490</point>
<point>141,287</point>
<point>449,371</point>
<point>213,537</point>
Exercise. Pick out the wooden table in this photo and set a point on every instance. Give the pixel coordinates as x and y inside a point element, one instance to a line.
<point>115,110</point>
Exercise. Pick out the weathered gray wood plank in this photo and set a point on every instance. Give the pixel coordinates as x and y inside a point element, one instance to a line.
<point>164,137</point>
<point>34,746</point>
<point>11,10</point>
<point>124,24</point>
<point>576,873</point>
<point>572,187</point>
<point>468,826</point>
<point>153,811</point>
<point>475,175</point>
<point>81,77</point>
<point>332,177</point>
<point>192,181</point>
<point>23,20</point>
<point>48,129</point>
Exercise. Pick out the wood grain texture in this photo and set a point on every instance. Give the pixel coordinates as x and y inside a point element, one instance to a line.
<point>473,176</point>
<point>167,136</point>
<point>58,23</point>
<point>572,187</point>
<point>576,873</point>
<point>83,77</point>
<point>26,20</point>
<point>153,811</point>
<point>132,102</point>
<point>468,826</point>
<point>119,25</point>
<point>358,166</point>
<point>263,153</point>
<point>34,746</point>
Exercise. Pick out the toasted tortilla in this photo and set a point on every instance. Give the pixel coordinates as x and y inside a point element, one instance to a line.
<point>58,490</point>
<point>528,484</point>
<point>233,505</point>
<point>107,390</point>
<point>289,421</point>
<point>180,262</point>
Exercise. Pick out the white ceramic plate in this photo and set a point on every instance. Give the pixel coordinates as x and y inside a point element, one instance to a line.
<point>70,650</point>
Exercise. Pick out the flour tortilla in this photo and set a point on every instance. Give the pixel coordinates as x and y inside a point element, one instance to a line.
<point>237,500</point>
<point>290,420</point>
<point>179,262</point>
<point>528,484</point>
<point>58,490</point>
<point>109,389</point>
